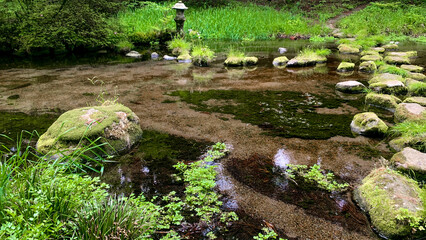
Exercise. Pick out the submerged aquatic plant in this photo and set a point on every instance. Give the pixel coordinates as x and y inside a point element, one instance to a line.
<point>316,175</point>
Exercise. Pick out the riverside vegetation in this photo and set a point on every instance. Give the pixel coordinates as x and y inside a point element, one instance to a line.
<point>43,26</point>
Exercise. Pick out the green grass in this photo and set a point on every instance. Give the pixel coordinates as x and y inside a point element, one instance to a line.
<point>393,69</point>
<point>319,39</point>
<point>307,52</point>
<point>409,128</point>
<point>202,55</point>
<point>418,89</point>
<point>387,18</point>
<point>235,21</point>
<point>179,46</point>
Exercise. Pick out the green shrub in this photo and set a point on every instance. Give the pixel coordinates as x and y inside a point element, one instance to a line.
<point>124,46</point>
<point>179,46</point>
<point>143,38</point>
<point>319,39</point>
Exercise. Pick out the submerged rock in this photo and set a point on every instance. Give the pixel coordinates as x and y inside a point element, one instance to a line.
<point>348,48</point>
<point>386,195</point>
<point>396,60</point>
<point>248,61</point>
<point>412,68</point>
<point>410,111</point>
<point>134,54</point>
<point>346,67</point>
<point>368,124</point>
<point>368,67</point>
<point>280,61</point>
<point>372,58</point>
<point>418,100</point>
<point>300,61</point>
<point>350,87</point>
<point>385,101</point>
<point>114,124</point>
<point>410,159</point>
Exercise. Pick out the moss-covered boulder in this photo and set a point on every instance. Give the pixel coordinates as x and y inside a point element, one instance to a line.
<point>372,58</point>
<point>367,67</point>
<point>410,111</point>
<point>412,68</point>
<point>280,61</point>
<point>417,76</point>
<point>378,49</point>
<point>390,46</point>
<point>418,100</point>
<point>385,101</point>
<point>346,67</point>
<point>350,87</point>
<point>410,159</point>
<point>387,196</point>
<point>306,60</point>
<point>408,54</point>
<point>249,61</point>
<point>389,87</point>
<point>368,124</point>
<point>417,142</point>
<point>114,124</point>
<point>382,77</point>
<point>369,52</point>
<point>396,60</point>
<point>349,48</point>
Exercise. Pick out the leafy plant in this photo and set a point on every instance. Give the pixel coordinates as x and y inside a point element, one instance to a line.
<point>267,234</point>
<point>417,88</point>
<point>314,174</point>
<point>179,46</point>
<point>202,55</point>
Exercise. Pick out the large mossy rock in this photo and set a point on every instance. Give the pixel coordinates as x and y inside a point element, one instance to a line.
<point>382,77</point>
<point>387,195</point>
<point>390,46</point>
<point>408,54</point>
<point>306,60</point>
<point>416,88</point>
<point>417,76</point>
<point>348,48</point>
<point>114,124</point>
<point>368,67</point>
<point>368,124</point>
<point>385,101</point>
<point>370,52</point>
<point>346,67</point>
<point>410,111</point>
<point>240,61</point>
<point>417,142</point>
<point>396,60</point>
<point>410,160</point>
<point>372,58</point>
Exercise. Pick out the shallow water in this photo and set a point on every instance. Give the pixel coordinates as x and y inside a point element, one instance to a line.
<point>271,116</point>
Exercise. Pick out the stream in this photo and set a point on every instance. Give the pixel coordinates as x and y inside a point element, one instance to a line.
<point>270,116</point>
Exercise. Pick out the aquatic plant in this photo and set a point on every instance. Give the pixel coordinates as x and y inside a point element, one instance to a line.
<point>179,46</point>
<point>202,55</point>
<point>308,52</point>
<point>314,174</point>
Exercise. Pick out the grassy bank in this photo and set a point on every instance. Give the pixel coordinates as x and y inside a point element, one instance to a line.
<point>234,22</point>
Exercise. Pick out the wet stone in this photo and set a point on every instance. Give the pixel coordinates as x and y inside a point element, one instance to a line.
<point>408,54</point>
<point>412,68</point>
<point>410,111</point>
<point>350,87</point>
<point>134,54</point>
<point>388,102</point>
<point>368,67</point>
<point>372,58</point>
<point>368,124</point>
<point>155,55</point>
<point>389,86</point>
<point>346,67</point>
<point>418,100</point>
<point>390,46</point>
<point>369,52</point>
<point>410,159</point>
<point>396,60</point>
<point>417,76</point>
<point>280,61</point>
<point>378,49</point>
<point>386,77</point>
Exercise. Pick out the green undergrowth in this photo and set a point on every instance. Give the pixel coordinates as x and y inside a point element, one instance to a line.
<point>286,114</point>
<point>234,21</point>
<point>392,18</point>
<point>324,180</point>
<point>393,69</point>
<point>410,132</point>
<point>46,198</point>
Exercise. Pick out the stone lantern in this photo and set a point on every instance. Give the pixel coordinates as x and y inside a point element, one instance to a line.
<point>180,17</point>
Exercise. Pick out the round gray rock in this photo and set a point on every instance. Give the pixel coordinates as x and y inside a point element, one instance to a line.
<point>350,87</point>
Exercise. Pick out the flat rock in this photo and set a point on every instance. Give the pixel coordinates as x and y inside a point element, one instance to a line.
<point>396,60</point>
<point>390,46</point>
<point>300,61</point>
<point>169,58</point>
<point>372,58</point>
<point>403,54</point>
<point>368,124</point>
<point>410,159</point>
<point>389,86</point>
<point>385,101</point>
<point>350,87</point>
<point>385,77</point>
<point>412,68</point>
<point>409,111</point>
<point>134,54</point>
<point>370,52</point>
<point>386,195</point>
<point>378,49</point>
<point>418,100</point>
<point>348,48</point>
<point>417,76</point>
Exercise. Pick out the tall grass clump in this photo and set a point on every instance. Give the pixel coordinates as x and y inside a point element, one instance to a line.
<point>418,89</point>
<point>202,55</point>
<point>234,21</point>
<point>179,46</point>
<point>387,18</point>
<point>415,130</point>
<point>307,52</point>
<point>393,69</point>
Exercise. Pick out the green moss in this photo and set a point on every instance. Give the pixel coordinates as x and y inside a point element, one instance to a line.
<point>377,196</point>
<point>286,114</point>
<point>348,48</point>
<point>393,70</point>
<point>368,66</point>
<point>234,61</point>
<point>372,58</point>
<point>345,66</point>
<point>368,123</point>
<point>369,52</point>
<point>382,100</point>
<point>396,60</point>
<point>412,68</point>
<point>417,76</point>
<point>389,88</point>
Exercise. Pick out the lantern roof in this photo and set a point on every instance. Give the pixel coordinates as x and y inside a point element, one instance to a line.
<point>180,6</point>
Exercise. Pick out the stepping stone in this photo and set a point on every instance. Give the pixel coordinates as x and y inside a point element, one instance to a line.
<point>418,100</point>
<point>368,124</point>
<point>280,61</point>
<point>348,48</point>
<point>409,111</point>
<point>346,67</point>
<point>388,102</point>
<point>408,54</point>
<point>412,68</point>
<point>372,58</point>
<point>367,67</point>
<point>396,60</point>
<point>410,159</point>
<point>350,87</point>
